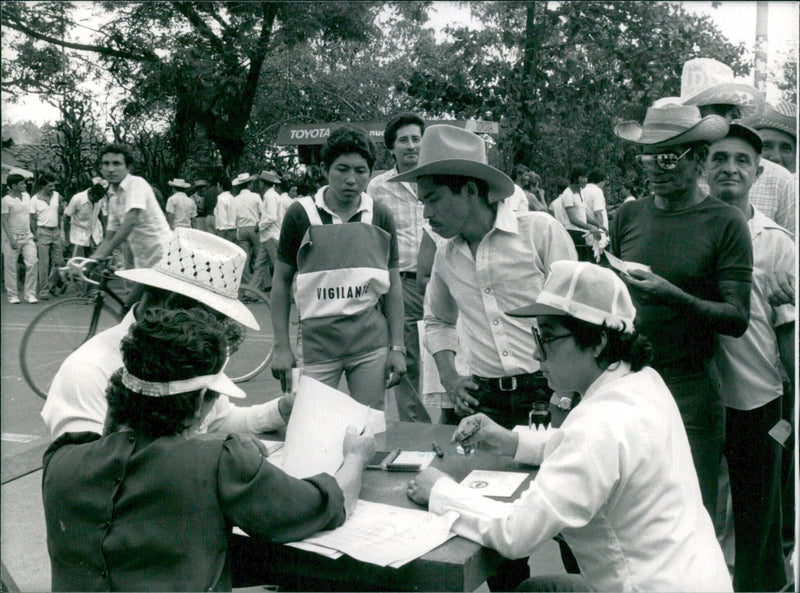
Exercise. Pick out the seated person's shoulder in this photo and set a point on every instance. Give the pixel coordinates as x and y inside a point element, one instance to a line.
<point>242,456</point>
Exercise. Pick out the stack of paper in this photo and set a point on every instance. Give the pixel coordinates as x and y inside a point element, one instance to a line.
<point>383,534</point>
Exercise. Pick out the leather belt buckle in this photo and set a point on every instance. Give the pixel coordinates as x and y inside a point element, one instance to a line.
<point>507,383</point>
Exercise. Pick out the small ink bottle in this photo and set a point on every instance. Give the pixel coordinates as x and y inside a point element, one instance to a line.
<point>539,416</point>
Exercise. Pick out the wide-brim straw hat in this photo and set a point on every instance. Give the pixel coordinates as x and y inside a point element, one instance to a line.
<point>584,291</point>
<point>179,183</point>
<point>269,176</point>
<point>448,150</point>
<point>673,124</point>
<point>242,178</point>
<point>708,82</point>
<point>200,183</point>
<point>201,266</point>
<point>782,116</point>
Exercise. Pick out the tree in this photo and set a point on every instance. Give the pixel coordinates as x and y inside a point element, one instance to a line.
<point>201,60</point>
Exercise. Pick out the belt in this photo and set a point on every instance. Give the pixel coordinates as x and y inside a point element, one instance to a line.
<point>49,228</point>
<point>412,275</point>
<point>509,383</point>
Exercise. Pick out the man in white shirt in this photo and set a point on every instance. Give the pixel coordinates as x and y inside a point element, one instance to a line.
<point>76,401</point>
<point>225,213</point>
<point>269,228</point>
<point>46,209</point>
<point>578,219</point>
<point>83,210</point>
<point>402,136</point>
<point>17,237</point>
<point>749,374</point>
<point>248,206</point>
<point>181,209</point>
<point>593,194</point>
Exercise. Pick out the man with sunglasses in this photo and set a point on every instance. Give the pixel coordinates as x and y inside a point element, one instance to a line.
<point>698,262</point>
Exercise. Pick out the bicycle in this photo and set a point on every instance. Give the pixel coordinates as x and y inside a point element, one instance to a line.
<point>62,327</point>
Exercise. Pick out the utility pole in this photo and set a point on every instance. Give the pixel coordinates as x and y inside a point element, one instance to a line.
<point>762,21</point>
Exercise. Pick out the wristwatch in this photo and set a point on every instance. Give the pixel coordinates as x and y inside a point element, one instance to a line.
<point>401,349</point>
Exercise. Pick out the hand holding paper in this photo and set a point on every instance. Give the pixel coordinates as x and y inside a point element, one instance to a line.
<point>482,429</point>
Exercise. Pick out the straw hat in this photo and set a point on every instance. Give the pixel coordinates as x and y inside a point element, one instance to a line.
<point>584,291</point>
<point>242,178</point>
<point>782,117</point>
<point>269,176</point>
<point>204,267</point>
<point>448,150</point>
<point>673,124</point>
<point>707,82</point>
<point>179,183</point>
<point>200,183</point>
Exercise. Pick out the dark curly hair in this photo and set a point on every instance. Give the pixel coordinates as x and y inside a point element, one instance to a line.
<point>627,347</point>
<point>398,121</point>
<point>165,345</point>
<point>345,140</point>
<point>122,149</point>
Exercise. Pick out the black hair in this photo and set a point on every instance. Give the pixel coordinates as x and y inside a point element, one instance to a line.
<point>627,347</point>
<point>456,182</point>
<point>348,139</point>
<point>576,173</point>
<point>97,191</point>
<point>596,175</point>
<point>44,179</point>
<point>397,122</point>
<point>13,179</point>
<point>126,153</point>
<point>165,346</point>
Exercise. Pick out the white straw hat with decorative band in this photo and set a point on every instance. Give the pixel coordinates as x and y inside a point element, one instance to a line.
<point>673,124</point>
<point>782,117</point>
<point>204,267</point>
<point>448,150</point>
<point>705,81</point>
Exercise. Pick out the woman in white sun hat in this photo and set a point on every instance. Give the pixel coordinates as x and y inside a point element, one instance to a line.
<point>616,479</point>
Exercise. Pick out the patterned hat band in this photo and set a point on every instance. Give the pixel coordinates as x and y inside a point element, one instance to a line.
<point>231,293</point>
<point>165,388</point>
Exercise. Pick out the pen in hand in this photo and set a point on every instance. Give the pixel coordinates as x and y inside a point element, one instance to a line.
<point>437,449</point>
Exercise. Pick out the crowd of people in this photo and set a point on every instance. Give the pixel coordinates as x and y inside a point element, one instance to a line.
<point>665,331</point>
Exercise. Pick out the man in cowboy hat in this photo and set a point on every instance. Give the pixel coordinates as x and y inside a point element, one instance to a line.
<point>269,227</point>
<point>248,212</point>
<point>777,127</point>
<point>493,257</point>
<point>76,401</point>
<point>750,380</point>
<point>698,261</point>
<point>402,136</point>
<point>710,85</point>
<point>181,209</point>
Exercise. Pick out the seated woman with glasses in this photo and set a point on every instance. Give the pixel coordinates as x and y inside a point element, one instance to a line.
<point>149,506</point>
<point>616,479</point>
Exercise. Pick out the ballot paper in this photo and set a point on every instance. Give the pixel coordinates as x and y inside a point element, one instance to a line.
<point>385,535</point>
<point>494,483</point>
<point>625,266</point>
<point>315,433</point>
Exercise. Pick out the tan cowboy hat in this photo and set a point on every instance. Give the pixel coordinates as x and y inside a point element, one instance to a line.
<point>448,150</point>
<point>179,183</point>
<point>673,124</point>
<point>707,82</point>
<point>242,178</point>
<point>269,176</point>
<point>201,266</point>
<point>782,117</point>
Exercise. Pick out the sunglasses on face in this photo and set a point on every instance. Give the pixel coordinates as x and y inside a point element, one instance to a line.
<point>666,161</point>
<point>539,341</point>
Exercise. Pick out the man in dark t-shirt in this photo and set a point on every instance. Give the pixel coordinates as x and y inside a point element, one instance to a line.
<point>698,262</point>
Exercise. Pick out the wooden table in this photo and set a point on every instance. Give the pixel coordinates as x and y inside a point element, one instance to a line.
<point>456,565</point>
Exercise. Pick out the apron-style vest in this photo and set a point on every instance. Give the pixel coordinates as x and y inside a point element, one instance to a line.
<point>342,271</point>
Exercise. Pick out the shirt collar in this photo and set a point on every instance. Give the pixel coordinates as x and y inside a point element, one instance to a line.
<point>760,222</point>
<point>616,371</point>
<point>125,184</point>
<point>506,219</point>
<point>366,204</point>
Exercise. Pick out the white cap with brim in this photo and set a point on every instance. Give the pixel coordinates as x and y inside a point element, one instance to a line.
<point>219,383</point>
<point>448,150</point>
<point>673,124</point>
<point>201,266</point>
<point>584,291</point>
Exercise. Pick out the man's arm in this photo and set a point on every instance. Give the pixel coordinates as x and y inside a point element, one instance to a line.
<point>786,345</point>
<point>729,316</point>
<point>7,231</point>
<point>115,238</point>
<point>283,359</point>
<point>395,315</point>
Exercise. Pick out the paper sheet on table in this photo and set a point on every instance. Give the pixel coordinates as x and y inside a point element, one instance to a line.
<point>387,535</point>
<point>317,549</point>
<point>423,458</point>
<point>625,266</point>
<point>314,435</point>
<point>493,483</point>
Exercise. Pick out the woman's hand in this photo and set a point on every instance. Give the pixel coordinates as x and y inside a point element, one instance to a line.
<point>419,489</point>
<point>482,429</point>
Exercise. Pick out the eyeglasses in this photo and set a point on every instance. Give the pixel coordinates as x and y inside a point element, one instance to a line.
<point>540,341</point>
<point>665,161</point>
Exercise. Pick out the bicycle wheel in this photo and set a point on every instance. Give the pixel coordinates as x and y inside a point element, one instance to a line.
<point>255,352</point>
<point>54,334</point>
